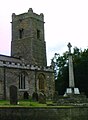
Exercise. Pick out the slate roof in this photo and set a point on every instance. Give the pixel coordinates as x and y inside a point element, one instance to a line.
<point>9,59</point>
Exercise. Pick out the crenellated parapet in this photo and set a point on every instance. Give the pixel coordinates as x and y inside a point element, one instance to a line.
<point>24,66</point>
<point>28,14</point>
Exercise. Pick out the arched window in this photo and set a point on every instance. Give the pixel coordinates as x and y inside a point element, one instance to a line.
<point>22,81</point>
<point>41,78</point>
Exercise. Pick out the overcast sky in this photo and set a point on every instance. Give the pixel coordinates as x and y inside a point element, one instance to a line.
<point>65,21</point>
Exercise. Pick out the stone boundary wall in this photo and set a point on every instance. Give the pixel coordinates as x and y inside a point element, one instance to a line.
<point>43,113</point>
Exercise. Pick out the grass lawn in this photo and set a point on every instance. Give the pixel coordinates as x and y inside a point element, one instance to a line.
<point>22,103</point>
<point>27,103</point>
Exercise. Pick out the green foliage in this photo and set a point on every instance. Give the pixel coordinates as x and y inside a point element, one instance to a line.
<point>80,63</point>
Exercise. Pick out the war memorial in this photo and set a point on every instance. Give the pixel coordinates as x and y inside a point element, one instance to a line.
<point>72,95</point>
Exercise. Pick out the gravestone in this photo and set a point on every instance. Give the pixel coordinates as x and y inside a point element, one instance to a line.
<point>42,98</point>
<point>55,96</point>
<point>13,95</point>
<point>35,96</point>
<point>26,95</point>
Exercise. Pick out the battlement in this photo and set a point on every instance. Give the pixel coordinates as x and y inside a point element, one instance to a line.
<point>30,14</point>
<point>24,66</point>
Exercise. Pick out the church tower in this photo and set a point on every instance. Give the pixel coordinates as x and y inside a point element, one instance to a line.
<point>28,41</point>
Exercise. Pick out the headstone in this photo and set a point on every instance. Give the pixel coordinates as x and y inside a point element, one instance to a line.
<point>55,96</point>
<point>42,98</point>
<point>35,96</point>
<point>26,95</point>
<point>13,95</point>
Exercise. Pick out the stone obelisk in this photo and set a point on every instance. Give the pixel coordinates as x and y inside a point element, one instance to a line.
<point>71,89</point>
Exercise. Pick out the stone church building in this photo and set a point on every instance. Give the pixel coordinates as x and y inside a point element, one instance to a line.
<point>26,68</point>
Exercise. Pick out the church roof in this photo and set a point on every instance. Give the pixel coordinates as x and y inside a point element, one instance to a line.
<point>9,59</point>
<point>13,62</point>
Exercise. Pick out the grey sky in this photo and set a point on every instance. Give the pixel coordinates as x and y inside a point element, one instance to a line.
<point>65,21</point>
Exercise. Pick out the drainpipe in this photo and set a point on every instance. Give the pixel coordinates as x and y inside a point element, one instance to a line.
<point>4,83</point>
<point>35,81</point>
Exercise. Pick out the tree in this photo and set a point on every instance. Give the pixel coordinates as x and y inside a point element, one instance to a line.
<point>61,63</point>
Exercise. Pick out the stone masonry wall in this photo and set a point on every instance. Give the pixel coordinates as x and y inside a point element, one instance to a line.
<point>9,75</point>
<point>22,113</point>
<point>28,38</point>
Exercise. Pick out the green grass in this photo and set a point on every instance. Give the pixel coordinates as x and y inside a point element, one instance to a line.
<point>21,103</point>
<point>27,103</point>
